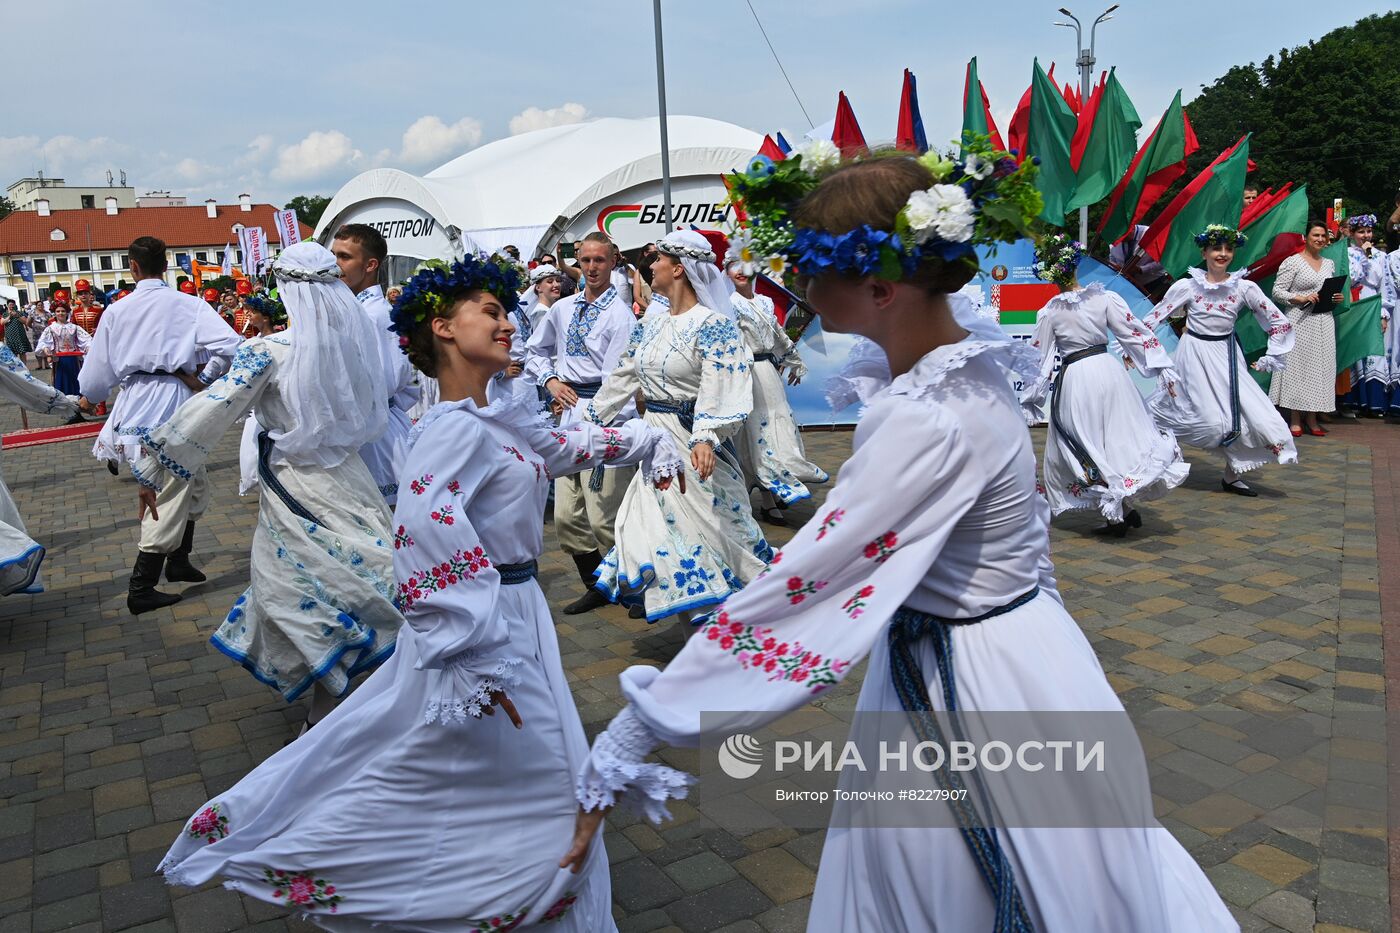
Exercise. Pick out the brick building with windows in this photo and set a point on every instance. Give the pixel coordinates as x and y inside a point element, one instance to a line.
<point>62,246</point>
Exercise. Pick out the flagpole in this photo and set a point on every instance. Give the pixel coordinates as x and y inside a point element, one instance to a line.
<point>661,106</point>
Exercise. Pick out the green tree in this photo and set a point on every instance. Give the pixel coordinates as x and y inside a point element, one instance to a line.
<point>309,208</point>
<point>1325,114</point>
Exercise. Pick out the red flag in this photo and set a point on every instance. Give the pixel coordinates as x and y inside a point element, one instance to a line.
<point>782,299</point>
<point>1019,127</point>
<point>771,149</point>
<point>1086,111</point>
<point>1165,163</point>
<point>1154,241</point>
<point>846,133</point>
<point>1265,202</point>
<point>1285,245</point>
<point>910,135</point>
<point>1072,98</point>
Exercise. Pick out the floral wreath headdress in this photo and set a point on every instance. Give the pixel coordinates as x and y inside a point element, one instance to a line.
<point>436,284</point>
<point>1362,221</point>
<point>1220,235</point>
<point>1057,257</point>
<point>983,198</point>
<point>269,306</point>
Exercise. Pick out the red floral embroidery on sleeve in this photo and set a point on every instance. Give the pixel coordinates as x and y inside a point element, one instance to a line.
<point>502,924</point>
<point>459,568</point>
<point>833,518</point>
<point>756,648</point>
<point>799,589</point>
<point>443,515</point>
<point>883,547</point>
<point>612,443</point>
<point>513,452</point>
<point>421,484</point>
<point>855,606</point>
<point>402,538</point>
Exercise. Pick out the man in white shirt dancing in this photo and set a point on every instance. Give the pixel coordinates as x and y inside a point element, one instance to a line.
<point>360,251</point>
<point>576,345</point>
<point>161,346</point>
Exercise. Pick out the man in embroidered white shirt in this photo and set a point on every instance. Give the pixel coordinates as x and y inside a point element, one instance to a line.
<point>360,251</point>
<point>575,347</point>
<point>161,346</point>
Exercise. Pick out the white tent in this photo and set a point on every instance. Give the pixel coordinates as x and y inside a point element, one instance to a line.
<point>533,189</point>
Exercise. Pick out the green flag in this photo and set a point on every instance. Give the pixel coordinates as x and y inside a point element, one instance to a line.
<point>1049,132</point>
<point>1358,323</point>
<point>1110,146</point>
<point>1288,216</point>
<point>977,112</point>
<point>1219,200</point>
<point>1159,163</point>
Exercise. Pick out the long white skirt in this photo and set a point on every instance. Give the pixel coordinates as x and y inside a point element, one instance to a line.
<point>319,605</point>
<point>1202,418</point>
<point>687,552</point>
<point>378,817</point>
<point>20,555</point>
<point>1102,409</point>
<point>770,447</point>
<point>1095,880</point>
<point>385,457</point>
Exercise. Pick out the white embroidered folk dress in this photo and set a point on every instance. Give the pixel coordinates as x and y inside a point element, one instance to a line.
<point>770,447</point>
<point>937,510</point>
<point>1206,414</point>
<point>1096,407</point>
<point>1368,273</point>
<point>319,606</point>
<point>686,552</point>
<point>1390,308</point>
<point>21,555</point>
<point>385,456</point>
<point>405,809</point>
<point>1309,382</point>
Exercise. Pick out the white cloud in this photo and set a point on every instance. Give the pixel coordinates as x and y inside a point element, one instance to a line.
<point>533,118</point>
<point>257,150</point>
<point>320,153</point>
<point>430,139</point>
<point>191,170</point>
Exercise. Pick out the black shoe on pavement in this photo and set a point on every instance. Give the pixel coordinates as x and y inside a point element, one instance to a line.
<point>178,568</point>
<point>586,603</point>
<point>1238,487</point>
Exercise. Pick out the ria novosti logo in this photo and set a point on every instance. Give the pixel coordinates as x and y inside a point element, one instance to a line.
<point>741,756</point>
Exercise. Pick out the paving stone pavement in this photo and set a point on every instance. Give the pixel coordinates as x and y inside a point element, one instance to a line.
<point>1244,635</point>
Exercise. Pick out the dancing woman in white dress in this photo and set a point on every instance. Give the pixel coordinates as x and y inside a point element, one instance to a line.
<point>319,608</point>
<point>1222,407</point>
<point>1103,451</point>
<point>929,555</point>
<point>406,808</point>
<point>21,555</point>
<point>680,554</point>
<point>770,446</point>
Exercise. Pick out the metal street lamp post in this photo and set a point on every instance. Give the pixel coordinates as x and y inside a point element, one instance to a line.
<point>1085,60</point>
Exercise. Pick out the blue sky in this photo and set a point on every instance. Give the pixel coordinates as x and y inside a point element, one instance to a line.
<point>278,99</point>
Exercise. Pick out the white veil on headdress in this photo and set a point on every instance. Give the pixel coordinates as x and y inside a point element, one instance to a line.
<point>712,286</point>
<point>335,384</point>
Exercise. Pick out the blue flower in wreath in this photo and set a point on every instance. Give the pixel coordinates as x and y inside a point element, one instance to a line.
<point>761,167</point>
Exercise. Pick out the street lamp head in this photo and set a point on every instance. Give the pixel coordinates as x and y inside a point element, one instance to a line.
<point>1066,25</point>
<point>1111,9</point>
<point>1065,12</point>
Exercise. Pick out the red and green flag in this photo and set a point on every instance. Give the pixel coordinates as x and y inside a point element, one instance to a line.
<point>977,110</point>
<point>1049,131</point>
<point>1287,216</point>
<point>1020,120</point>
<point>1105,141</point>
<point>1216,196</point>
<point>1157,165</point>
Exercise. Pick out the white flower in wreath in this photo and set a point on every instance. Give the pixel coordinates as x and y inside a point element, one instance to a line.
<point>943,211</point>
<point>742,252</point>
<point>776,266</point>
<point>977,167</point>
<point>819,155</point>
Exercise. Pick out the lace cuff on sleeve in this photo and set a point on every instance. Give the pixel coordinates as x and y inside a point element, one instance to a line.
<point>1270,364</point>
<point>465,684</point>
<point>615,771</point>
<point>663,460</point>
